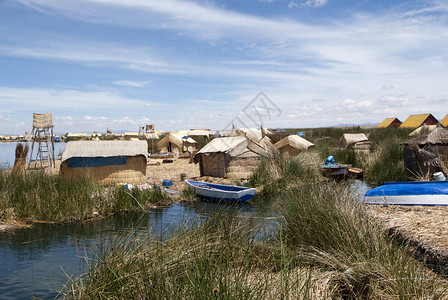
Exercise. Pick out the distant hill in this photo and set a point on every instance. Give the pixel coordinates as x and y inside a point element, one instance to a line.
<point>356,125</point>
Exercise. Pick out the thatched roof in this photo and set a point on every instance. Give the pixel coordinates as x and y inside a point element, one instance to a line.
<point>390,122</point>
<point>229,145</point>
<point>414,121</point>
<point>195,132</point>
<point>104,149</point>
<point>294,141</point>
<point>76,134</point>
<point>438,136</point>
<point>175,138</point>
<point>425,129</point>
<point>444,121</point>
<point>352,138</point>
<point>251,133</point>
<point>42,120</point>
<point>238,146</point>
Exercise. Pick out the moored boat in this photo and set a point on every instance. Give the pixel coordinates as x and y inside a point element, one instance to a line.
<point>335,170</point>
<point>220,192</point>
<point>409,193</point>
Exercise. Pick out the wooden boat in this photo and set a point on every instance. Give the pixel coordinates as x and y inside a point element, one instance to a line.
<point>340,171</point>
<point>220,192</point>
<point>409,193</point>
<point>335,170</point>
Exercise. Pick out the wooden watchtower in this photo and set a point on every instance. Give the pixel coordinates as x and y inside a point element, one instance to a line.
<point>43,138</point>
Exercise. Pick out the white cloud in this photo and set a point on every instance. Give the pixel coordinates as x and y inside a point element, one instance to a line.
<point>56,100</point>
<point>309,3</point>
<point>392,101</point>
<point>92,52</point>
<point>293,4</point>
<point>316,3</point>
<point>132,83</point>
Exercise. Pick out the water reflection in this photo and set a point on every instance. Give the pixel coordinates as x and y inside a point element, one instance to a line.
<point>7,153</point>
<point>36,262</point>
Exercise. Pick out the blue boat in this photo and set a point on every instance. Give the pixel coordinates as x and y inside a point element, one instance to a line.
<point>220,192</point>
<point>409,193</point>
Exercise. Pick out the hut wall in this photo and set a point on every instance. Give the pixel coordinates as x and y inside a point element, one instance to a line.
<point>190,147</point>
<point>410,162</point>
<point>213,165</point>
<point>174,148</point>
<point>242,167</point>
<point>288,151</point>
<point>395,123</point>
<point>362,147</point>
<point>134,171</point>
<point>440,150</point>
<point>430,121</point>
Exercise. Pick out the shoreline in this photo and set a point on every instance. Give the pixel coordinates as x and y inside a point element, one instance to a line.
<point>424,228</point>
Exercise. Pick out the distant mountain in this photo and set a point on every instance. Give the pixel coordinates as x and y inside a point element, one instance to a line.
<point>356,125</point>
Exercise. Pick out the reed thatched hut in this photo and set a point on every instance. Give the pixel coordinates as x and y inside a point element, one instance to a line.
<point>106,162</point>
<point>415,121</point>
<point>232,157</point>
<point>348,139</point>
<point>177,143</point>
<point>292,144</point>
<point>131,136</point>
<point>428,153</point>
<point>390,122</point>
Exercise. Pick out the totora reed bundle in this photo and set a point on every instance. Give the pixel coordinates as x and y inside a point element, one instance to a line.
<point>20,158</point>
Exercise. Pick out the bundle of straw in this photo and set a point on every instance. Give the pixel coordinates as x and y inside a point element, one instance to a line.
<point>20,158</point>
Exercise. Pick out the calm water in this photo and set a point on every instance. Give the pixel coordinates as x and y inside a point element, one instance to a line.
<point>7,153</point>
<point>37,262</point>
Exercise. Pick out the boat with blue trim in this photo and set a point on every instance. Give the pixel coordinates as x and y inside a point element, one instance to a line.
<point>220,192</point>
<point>409,193</point>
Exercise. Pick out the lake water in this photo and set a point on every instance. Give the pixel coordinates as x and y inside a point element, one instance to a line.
<point>38,261</point>
<point>8,149</point>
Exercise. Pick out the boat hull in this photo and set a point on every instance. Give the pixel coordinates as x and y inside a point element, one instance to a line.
<point>335,171</point>
<point>218,192</point>
<point>409,193</point>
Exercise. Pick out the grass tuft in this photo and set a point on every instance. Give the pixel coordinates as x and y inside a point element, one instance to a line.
<point>38,196</point>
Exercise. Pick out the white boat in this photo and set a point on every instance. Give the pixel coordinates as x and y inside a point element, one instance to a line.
<point>220,192</point>
<point>409,193</point>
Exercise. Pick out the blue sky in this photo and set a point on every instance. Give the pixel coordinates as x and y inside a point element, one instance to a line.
<point>97,64</point>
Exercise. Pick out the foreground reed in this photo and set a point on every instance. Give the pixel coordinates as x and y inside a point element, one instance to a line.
<point>329,229</point>
<point>38,196</point>
<point>220,259</point>
<point>277,173</point>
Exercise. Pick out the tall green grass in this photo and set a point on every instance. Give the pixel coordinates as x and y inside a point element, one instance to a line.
<point>327,228</point>
<point>277,173</point>
<point>220,259</point>
<point>38,196</point>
